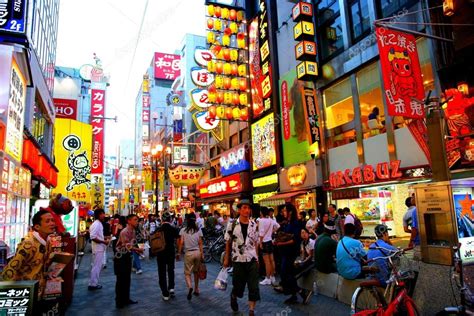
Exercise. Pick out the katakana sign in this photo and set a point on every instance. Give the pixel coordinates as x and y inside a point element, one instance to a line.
<point>97,122</point>
<point>18,297</point>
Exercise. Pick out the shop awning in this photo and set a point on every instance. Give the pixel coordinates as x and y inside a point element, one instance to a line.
<point>223,199</point>
<point>280,198</point>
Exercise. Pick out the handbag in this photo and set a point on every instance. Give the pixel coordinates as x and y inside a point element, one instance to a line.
<point>281,236</point>
<point>202,271</point>
<point>157,242</point>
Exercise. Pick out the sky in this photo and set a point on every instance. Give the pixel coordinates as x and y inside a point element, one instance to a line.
<point>111,29</point>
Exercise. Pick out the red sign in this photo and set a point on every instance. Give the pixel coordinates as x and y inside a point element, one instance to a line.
<point>255,69</point>
<point>222,186</point>
<point>146,101</point>
<point>420,133</point>
<point>167,66</point>
<point>384,171</point>
<point>185,204</point>
<point>285,110</point>
<point>146,116</point>
<point>97,122</point>
<point>66,108</point>
<point>401,72</point>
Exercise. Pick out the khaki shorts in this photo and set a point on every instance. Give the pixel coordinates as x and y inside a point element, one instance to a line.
<point>192,260</point>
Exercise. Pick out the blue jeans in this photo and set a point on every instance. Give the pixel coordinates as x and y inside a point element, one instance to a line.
<point>136,261</point>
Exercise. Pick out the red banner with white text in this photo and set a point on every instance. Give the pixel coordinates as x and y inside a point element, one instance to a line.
<point>401,71</point>
<point>97,122</point>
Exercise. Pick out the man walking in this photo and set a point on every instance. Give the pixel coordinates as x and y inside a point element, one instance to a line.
<point>123,262</point>
<point>241,247</point>
<point>335,218</point>
<point>166,257</point>
<point>99,244</point>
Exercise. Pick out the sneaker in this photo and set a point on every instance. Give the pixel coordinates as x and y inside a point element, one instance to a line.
<point>233,303</point>
<point>172,292</point>
<point>190,294</point>
<point>165,298</point>
<point>292,300</point>
<point>230,270</point>
<point>134,270</point>
<point>139,271</point>
<point>266,281</point>
<point>272,278</point>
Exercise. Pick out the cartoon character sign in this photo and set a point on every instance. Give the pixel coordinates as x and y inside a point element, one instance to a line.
<point>78,164</point>
<point>403,83</point>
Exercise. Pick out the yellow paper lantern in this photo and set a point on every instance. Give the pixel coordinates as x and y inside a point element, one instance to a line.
<point>227,68</point>
<point>210,10</point>
<point>226,40</point>
<point>225,13</point>
<point>240,16</point>
<point>220,111</point>
<point>242,70</point>
<point>219,82</point>
<point>211,97</point>
<point>243,99</point>
<point>234,55</point>
<point>236,113</point>
<point>211,37</point>
<point>241,43</point>
<point>217,25</point>
<point>234,28</point>
<point>211,66</point>
<point>220,55</point>
<point>228,98</point>
<point>234,83</point>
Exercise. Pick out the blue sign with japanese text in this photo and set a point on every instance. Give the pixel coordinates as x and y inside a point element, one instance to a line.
<point>13,16</point>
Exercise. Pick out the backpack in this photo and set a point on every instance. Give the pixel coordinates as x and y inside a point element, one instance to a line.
<point>358,226</point>
<point>157,242</point>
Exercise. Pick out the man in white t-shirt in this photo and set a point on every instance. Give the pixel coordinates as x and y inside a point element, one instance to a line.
<point>266,227</point>
<point>99,244</point>
<point>312,222</point>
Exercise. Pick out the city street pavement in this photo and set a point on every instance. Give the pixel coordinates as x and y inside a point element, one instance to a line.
<point>145,289</point>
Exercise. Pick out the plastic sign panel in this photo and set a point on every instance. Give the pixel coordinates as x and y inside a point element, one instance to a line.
<point>401,72</point>
<point>167,66</point>
<point>13,16</point>
<point>16,113</point>
<point>201,77</point>
<point>185,174</point>
<point>263,143</point>
<point>235,160</point>
<point>98,125</point>
<point>199,98</point>
<point>223,186</point>
<point>66,108</point>
<point>18,297</point>
<point>203,56</point>
<point>72,149</point>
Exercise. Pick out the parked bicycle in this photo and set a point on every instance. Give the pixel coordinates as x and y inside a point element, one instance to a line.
<point>370,299</point>
<point>214,250</point>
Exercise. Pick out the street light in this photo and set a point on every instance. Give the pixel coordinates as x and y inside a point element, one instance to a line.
<point>159,154</point>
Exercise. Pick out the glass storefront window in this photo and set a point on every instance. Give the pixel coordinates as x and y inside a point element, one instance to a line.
<point>339,113</point>
<point>371,102</point>
<point>359,13</point>
<point>329,22</point>
<point>388,8</point>
<point>327,9</point>
<point>39,125</point>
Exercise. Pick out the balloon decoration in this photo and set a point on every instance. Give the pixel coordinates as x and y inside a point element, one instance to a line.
<point>227,91</point>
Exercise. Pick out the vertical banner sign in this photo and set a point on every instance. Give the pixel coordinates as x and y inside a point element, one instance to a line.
<point>97,122</point>
<point>13,16</point>
<point>72,149</point>
<point>66,108</point>
<point>312,115</point>
<point>146,101</point>
<point>97,195</point>
<point>167,66</point>
<point>255,70</point>
<point>401,71</point>
<point>16,113</point>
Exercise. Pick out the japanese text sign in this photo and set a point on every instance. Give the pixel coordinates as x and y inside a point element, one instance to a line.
<point>66,108</point>
<point>167,66</point>
<point>13,16</point>
<point>222,186</point>
<point>185,174</point>
<point>401,71</point>
<point>263,142</point>
<point>18,298</point>
<point>235,160</point>
<point>97,122</point>
<point>16,113</point>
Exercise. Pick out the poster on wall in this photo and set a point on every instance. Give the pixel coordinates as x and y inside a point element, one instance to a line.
<point>16,113</point>
<point>263,142</point>
<point>296,137</point>
<point>72,149</point>
<point>401,72</point>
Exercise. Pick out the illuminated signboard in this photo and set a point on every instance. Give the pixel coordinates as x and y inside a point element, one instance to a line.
<point>296,175</point>
<point>167,66</point>
<point>235,160</point>
<point>13,16</point>
<point>263,143</point>
<point>98,125</point>
<point>66,108</point>
<point>185,174</point>
<point>222,186</point>
<point>264,181</point>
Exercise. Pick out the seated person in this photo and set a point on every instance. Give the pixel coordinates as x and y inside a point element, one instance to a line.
<point>350,255</point>
<point>381,248</point>
<point>307,248</point>
<point>325,250</point>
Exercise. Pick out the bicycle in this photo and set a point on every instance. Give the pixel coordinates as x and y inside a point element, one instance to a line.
<point>214,250</point>
<point>368,299</point>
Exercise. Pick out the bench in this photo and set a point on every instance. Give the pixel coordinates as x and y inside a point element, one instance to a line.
<point>346,288</point>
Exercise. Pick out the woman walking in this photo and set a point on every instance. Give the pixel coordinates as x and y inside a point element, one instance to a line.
<point>191,239</point>
<point>266,227</point>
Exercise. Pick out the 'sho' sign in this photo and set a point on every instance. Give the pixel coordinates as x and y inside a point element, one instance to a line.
<point>66,108</point>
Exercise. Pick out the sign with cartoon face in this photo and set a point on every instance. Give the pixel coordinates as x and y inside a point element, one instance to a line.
<point>73,148</point>
<point>401,71</point>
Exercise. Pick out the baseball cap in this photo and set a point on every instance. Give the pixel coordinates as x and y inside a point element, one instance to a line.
<point>381,229</point>
<point>244,201</point>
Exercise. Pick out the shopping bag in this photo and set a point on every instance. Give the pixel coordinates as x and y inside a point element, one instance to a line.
<point>221,280</point>
<point>202,271</point>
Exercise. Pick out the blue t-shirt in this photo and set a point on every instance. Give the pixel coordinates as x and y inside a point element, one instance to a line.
<point>382,264</point>
<point>349,261</point>
<point>414,224</point>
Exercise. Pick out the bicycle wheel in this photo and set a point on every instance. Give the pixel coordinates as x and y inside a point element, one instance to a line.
<point>216,253</point>
<point>206,254</point>
<point>365,299</point>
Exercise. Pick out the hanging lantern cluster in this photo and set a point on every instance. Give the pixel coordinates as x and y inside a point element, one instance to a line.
<point>227,41</point>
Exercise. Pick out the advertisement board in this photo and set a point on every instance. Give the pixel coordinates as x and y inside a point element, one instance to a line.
<point>263,143</point>
<point>98,125</point>
<point>167,66</point>
<point>13,16</point>
<point>72,149</point>
<point>66,108</point>
<point>227,185</point>
<point>235,160</point>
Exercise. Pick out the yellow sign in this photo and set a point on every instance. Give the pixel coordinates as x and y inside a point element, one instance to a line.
<point>306,68</point>
<point>296,175</point>
<point>261,182</point>
<point>72,149</point>
<point>16,113</point>
<point>185,174</point>
<point>303,29</point>
<point>147,174</point>
<point>97,199</point>
<point>146,84</point>
<point>263,142</point>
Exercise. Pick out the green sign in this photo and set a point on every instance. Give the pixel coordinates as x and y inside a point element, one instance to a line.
<point>294,128</point>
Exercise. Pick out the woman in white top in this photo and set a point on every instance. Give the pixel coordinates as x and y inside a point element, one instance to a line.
<point>312,222</point>
<point>191,238</point>
<point>266,227</point>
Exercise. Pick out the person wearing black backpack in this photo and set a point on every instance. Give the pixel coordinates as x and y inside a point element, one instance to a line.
<point>353,219</point>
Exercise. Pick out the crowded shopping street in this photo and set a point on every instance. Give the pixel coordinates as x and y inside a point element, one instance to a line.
<point>237,157</point>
